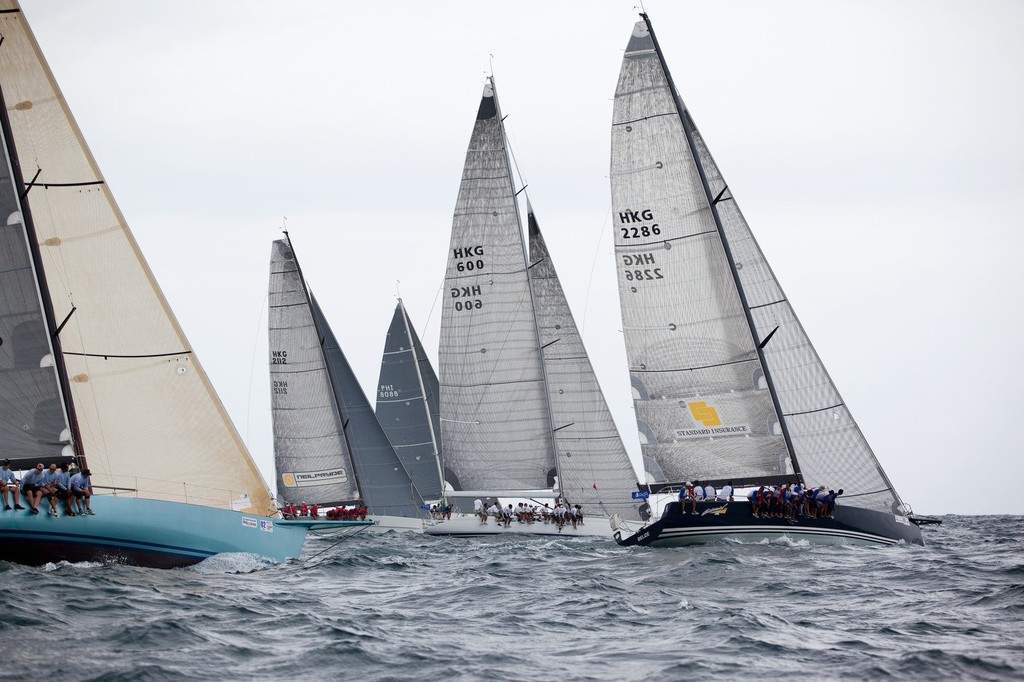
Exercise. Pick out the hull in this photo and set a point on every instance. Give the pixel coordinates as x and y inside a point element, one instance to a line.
<point>147,533</point>
<point>374,523</point>
<point>734,520</point>
<point>469,526</point>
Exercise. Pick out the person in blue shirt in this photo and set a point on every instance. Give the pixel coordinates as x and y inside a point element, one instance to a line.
<point>32,488</point>
<point>49,488</point>
<point>81,489</point>
<point>62,484</point>
<point>8,482</point>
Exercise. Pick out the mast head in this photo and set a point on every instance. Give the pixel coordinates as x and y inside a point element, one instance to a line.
<point>488,103</point>
<point>640,41</point>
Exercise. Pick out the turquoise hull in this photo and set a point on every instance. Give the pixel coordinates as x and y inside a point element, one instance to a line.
<point>143,533</point>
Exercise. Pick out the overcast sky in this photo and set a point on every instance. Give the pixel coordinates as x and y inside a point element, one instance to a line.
<point>876,148</point>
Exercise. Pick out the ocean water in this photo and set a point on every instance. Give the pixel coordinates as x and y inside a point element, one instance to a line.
<point>404,607</point>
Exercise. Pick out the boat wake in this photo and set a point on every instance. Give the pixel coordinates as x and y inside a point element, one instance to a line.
<point>232,562</point>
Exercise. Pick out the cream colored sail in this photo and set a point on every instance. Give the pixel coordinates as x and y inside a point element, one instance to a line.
<point>150,423</point>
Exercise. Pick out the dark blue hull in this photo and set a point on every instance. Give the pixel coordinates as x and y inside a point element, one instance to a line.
<point>734,520</point>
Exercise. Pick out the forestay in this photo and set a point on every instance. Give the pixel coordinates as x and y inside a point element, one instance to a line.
<point>495,422</point>
<point>149,420</point>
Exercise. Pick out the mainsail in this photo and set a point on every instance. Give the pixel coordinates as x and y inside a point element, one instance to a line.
<point>407,404</point>
<point>495,419</point>
<point>146,415</point>
<point>594,468</point>
<point>725,381</point>
<point>310,453</point>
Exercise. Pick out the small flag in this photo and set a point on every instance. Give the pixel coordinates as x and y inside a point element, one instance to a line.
<point>595,486</point>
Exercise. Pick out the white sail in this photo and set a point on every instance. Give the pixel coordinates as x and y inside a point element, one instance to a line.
<point>150,423</point>
<point>495,421</point>
<point>593,467</point>
<point>725,381</point>
<point>702,405</point>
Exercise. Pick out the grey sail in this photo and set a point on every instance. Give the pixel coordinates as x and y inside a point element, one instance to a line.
<point>310,453</point>
<point>407,402</point>
<point>386,486</point>
<point>33,425</point>
<point>725,381</point>
<point>594,468</point>
<point>495,421</point>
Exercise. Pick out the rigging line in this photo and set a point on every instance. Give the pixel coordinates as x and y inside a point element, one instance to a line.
<point>873,492</point>
<point>593,264</point>
<point>345,534</point>
<point>252,363</point>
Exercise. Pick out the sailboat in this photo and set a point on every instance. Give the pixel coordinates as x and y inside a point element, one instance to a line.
<point>96,370</point>
<point>408,406</point>
<point>727,387</point>
<point>504,437</point>
<point>329,448</point>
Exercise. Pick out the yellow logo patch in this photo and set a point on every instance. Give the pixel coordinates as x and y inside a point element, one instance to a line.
<point>706,415</point>
<point>288,480</point>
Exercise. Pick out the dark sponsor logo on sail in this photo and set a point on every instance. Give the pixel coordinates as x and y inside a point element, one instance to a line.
<point>712,431</point>
<point>305,478</point>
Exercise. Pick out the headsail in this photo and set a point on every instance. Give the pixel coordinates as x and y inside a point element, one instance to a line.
<point>383,481</point>
<point>594,468</point>
<point>149,420</point>
<point>716,354</point>
<point>311,456</point>
<point>495,421</point>
<point>407,404</point>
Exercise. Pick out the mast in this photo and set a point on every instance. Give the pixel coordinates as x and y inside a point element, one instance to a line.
<point>44,291</point>
<point>423,392</point>
<point>712,201</point>
<point>529,284</point>
<point>330,375</point>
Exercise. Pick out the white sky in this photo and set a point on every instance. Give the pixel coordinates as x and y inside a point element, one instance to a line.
<point>876,148</point>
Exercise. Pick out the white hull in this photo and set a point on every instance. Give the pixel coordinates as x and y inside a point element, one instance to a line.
<point>403,524</point>
<point>381,524</point>
<point>466,525</point>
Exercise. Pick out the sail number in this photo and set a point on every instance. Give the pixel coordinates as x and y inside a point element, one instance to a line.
<point>279,357</point>
<point>637,231</point>
<point>464,298</point>
<point>467,258</point>
<point>634,274</point>
<point>280,388</point>
<point>387,391</point>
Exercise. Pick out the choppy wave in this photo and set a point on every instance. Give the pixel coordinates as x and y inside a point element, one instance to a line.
<point>398,606</point>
